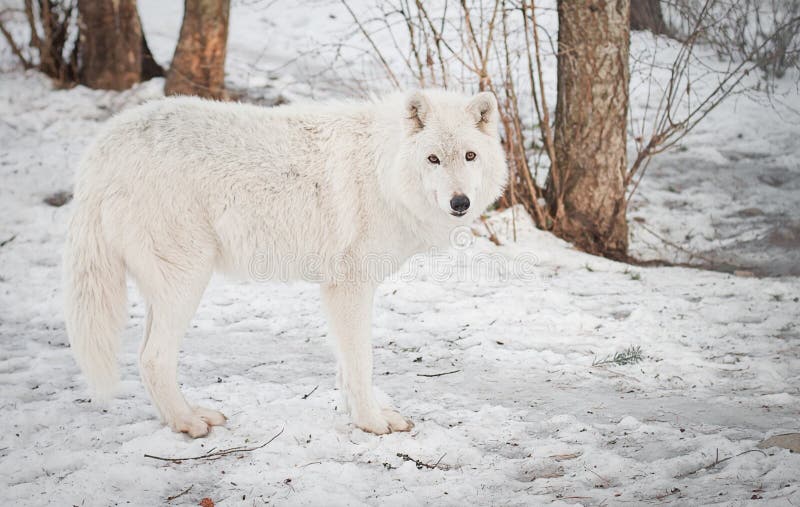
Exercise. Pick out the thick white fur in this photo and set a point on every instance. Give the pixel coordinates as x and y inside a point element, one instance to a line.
<point>178,188</point>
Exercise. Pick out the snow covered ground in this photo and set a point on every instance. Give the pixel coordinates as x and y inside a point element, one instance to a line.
<point>523,419</point>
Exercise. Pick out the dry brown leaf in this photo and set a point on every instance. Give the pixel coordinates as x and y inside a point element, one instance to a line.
<point>789,441</point>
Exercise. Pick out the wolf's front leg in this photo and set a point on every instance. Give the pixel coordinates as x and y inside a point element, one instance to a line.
<point>349,309</point>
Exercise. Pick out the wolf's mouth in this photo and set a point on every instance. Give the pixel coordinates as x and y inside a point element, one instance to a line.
<point>458,213</point>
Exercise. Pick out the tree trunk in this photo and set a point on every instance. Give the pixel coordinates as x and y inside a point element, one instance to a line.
<point>198,67</point>
<point>647,15</point>
<point>110,44</point>
<point>586,194</point>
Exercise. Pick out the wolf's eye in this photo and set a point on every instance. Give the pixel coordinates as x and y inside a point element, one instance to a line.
<point>433,159</point>
<point>471,156</point>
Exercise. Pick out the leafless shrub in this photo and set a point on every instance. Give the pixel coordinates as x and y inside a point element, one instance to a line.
<point>53,34</point>
<point>682,95</point>
<point>765,32</point>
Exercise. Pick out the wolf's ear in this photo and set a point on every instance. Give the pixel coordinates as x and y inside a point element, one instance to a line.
<point>483,107</point>
<point>417,110</point>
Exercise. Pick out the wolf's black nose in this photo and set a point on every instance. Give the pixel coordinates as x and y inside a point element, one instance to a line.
<point>460,204</point>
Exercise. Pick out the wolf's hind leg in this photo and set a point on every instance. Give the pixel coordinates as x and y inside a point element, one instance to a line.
<point>172,302</point>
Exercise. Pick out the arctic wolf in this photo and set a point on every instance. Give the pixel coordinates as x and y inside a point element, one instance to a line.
<point>176,189</point>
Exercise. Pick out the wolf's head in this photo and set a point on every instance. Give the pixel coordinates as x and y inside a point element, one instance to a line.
<point>451,163</point>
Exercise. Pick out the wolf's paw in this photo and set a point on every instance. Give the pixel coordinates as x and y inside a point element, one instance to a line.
<point>191,424</point>
<point>384,421</point>
<point>198,422</point>
<point>211,417</point>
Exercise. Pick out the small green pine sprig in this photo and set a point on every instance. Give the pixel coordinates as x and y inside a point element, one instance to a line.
<point>631,355</point>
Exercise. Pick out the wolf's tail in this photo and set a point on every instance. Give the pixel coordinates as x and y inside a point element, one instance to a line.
<point>95,297</point>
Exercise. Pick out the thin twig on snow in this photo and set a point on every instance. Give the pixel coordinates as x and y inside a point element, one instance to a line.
<point>215,455</point>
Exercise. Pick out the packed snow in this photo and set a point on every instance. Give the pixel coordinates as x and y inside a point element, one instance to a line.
<point>506,369</point>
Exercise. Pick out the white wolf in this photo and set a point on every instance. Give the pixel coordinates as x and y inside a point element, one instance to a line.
<point>178,188</point>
